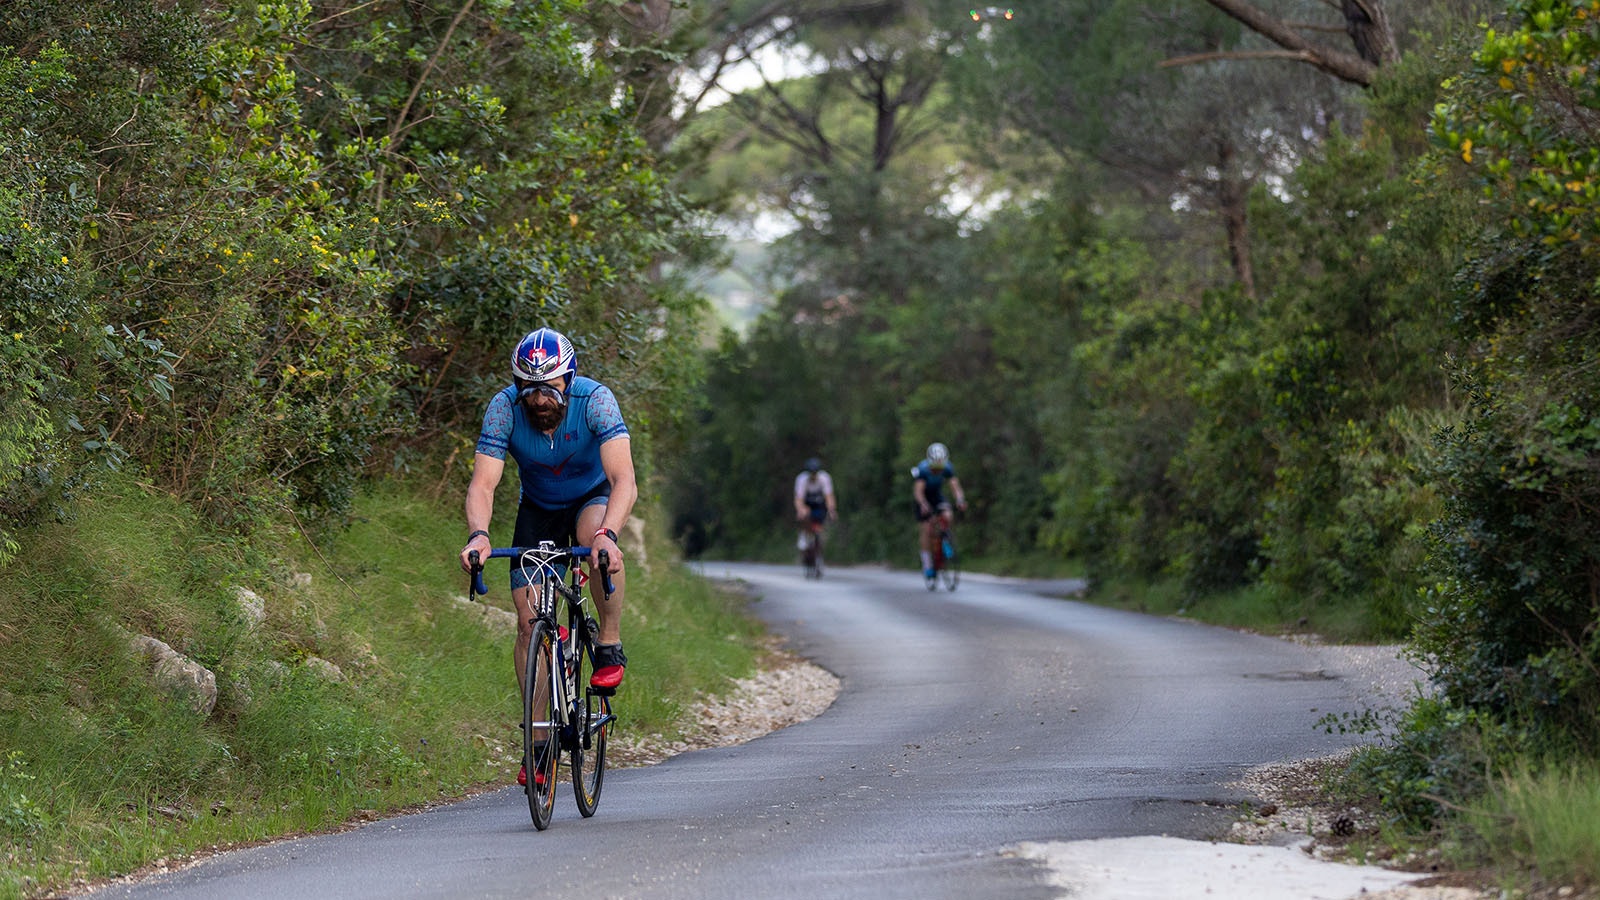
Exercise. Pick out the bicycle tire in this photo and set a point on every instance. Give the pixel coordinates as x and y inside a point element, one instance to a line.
<point>592,718</point>
<point>950,576</point>
<point>949,572</point>
<point>541,716</point>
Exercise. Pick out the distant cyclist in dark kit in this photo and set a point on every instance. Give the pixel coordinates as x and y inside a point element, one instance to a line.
<point>575,460</point>
<point>929,480</point>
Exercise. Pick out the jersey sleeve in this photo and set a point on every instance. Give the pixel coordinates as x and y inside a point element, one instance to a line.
<point>605,416</point>
<point>495,437</point>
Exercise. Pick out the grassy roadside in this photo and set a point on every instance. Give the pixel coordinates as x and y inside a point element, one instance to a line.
<point>1257,608</point>
<point>101,774</point>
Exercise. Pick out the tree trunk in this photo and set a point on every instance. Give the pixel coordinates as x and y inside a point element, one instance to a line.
<point>1232,195</point>
<point>1368,26</point>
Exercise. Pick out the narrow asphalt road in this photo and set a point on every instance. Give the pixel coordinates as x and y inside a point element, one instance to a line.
<point>967,724</point>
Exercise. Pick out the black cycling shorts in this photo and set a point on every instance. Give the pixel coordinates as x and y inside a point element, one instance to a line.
<point>558,526</point>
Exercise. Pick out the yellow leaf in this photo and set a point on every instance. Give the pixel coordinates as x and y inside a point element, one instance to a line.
<point>573,218</point>
<point>1466,150</point>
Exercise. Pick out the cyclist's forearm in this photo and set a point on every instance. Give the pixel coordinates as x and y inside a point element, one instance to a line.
<point>480,509</point>
<point>620,504</point>
<point>486,471</point>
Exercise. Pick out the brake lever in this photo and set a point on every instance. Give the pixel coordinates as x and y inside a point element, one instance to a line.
<point>477,586</point>
<point>605,570</point>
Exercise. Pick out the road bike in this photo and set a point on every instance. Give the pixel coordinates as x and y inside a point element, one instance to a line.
<point>946,569</point>
<point>561,711</point>
<point>810,545</point>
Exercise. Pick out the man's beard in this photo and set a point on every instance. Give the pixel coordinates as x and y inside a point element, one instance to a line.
<point>546,418</point>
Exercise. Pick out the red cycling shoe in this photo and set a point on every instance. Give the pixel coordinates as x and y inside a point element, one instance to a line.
<point>610,664</point>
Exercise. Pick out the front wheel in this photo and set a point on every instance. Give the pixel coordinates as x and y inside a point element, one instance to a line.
<point>949,572</point>
<point>813,560</point>
<point>950,576</point>
<point>540,741</point>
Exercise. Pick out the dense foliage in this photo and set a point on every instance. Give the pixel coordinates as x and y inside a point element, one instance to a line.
<point>256,249</point>
<point>1303,345</point>
<point>1300,343</point>
<point>1512,619</point>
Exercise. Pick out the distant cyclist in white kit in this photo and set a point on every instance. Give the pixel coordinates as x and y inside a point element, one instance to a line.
<point>814,503</point>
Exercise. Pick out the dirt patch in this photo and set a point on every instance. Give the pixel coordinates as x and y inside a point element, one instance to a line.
<point>787,690</point>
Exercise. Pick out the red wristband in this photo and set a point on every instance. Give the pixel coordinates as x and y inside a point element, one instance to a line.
<point>608,533</point>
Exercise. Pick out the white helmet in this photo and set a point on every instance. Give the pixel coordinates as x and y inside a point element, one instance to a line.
<point>938,453</point>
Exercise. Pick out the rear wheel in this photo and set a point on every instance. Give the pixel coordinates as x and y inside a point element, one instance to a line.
<point>540,742</point>
<point>589,756</point>
<point>589,762</point>
<point>592,726</point>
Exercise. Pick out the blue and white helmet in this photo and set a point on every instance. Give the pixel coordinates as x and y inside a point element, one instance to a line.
<point>544,355</point>
<point>938,454</point>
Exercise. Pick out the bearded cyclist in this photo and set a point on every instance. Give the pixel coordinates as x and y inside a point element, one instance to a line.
<point>930,479</point>
<point>575,461</point>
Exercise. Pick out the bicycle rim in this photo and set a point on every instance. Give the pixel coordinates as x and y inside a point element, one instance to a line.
<point>950,576</point>
<point>538,728</point>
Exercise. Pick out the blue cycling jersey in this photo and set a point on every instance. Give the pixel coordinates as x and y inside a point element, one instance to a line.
<point>934,479</point>
<point>563,467</point>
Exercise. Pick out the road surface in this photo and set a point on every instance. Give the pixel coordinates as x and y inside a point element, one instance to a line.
<point>970,727</point>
